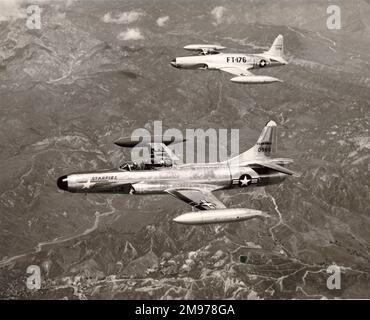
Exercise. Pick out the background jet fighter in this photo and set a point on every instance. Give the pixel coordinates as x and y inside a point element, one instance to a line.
<point>210,58</point>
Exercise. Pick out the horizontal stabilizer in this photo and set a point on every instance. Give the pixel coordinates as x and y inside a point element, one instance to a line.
<point>279,168</point>
<point>282,161</point>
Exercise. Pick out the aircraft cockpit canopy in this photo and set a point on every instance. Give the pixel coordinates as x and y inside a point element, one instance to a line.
<point>209,52</point>
<point>130,166</point>
<point>134,166</point>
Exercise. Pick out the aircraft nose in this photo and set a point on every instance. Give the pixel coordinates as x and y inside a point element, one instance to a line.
<point>173,63</point>
<point>62,183</point>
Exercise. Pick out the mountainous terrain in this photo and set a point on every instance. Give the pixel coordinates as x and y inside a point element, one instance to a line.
<point>97,70</point>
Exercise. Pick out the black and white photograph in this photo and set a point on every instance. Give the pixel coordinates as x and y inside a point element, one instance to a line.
<point>214,150</point>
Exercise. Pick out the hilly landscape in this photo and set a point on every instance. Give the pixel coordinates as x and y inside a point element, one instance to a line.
<point>97,70</point>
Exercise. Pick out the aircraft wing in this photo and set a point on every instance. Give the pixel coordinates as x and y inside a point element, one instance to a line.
<point>198,198</point>
<point>214,210</point>
<point>244,76</point>
<point>238,71</point>
<point>274,165</point>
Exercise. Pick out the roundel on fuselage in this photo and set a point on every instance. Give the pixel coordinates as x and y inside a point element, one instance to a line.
<point>245,180</point>
<point>262,63</point>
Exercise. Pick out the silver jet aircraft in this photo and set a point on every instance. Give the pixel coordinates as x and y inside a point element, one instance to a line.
<point>192,183</point>
<point>238,64</point>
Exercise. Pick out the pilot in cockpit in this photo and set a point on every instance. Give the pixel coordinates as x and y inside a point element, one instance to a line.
<point>129,166</point>
<point>208,52</point>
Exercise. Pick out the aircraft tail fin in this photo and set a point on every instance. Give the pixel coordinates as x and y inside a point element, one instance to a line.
<point>263,149</point>
<point>277,48</point>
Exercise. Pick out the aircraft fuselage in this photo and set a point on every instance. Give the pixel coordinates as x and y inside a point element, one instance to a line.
<point>213,61</point>
<point>219,176</point>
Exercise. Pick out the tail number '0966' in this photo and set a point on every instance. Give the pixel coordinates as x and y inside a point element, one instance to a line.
<point>264,149</point>
<point>236,59</point>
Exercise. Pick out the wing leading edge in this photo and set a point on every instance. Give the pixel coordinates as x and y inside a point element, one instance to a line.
<point>213,210</point>
<point>198,198</point>
<point>244,76</point>
<point>237,71</point>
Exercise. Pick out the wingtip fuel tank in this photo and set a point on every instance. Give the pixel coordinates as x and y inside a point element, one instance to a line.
<point>219,216</point>
<point>255,79</point>
<point>200,47</point>
<point>131,142</point>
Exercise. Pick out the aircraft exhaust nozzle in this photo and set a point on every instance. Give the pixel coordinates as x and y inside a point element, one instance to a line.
<point>219,216</point>
<point>254,79</point>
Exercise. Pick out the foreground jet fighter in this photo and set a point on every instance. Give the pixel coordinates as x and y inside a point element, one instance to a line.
<point>211,58</point>
<point>191,183</point>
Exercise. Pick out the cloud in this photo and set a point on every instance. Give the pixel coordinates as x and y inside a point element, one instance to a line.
<point>66,3</point>
<point>69,3</point>
<point>130,34</point>
<point>10,10</point>
<point>16,9</point>
<point>161,21</point>
<point>218,13</point>
<point>123,18</point>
